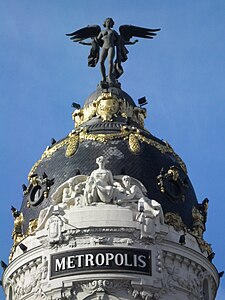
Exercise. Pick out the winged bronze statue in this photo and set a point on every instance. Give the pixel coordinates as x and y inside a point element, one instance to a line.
<point>112,45</point>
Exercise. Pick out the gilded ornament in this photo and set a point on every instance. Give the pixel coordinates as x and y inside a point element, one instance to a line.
<point>173,172</point>
<point>140,114</point>
<point>199,216</point>
<point>204,246</point>
<point>172,184</point>
<point>198,223</point>
<point>107,108</point>
<point>32,227</point>
<point>134,144</point>
<point>78,117</point>
<point>17,234</point>
<point>38,189</point>
<point>34,181</point>
<point>176,221</point>
<point>72,145</point>
<point>104,138</point>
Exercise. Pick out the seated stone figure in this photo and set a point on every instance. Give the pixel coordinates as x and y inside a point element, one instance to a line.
<point>69,194</point>
<point>100,185</point>
<point>73,195</point>
<point>69,190</point>
<point>148,208</point>
<point>131,190</point>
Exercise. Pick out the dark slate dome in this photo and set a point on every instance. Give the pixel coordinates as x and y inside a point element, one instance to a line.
<point>114,90</point>
<point>129,148</point>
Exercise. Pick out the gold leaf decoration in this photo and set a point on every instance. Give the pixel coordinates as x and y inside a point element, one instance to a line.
<point>72,145</point>
<point>32,226</point>
<point>176,221</point>
<point>134,144</point>
<point>102,138</point>
<point>75,138</point>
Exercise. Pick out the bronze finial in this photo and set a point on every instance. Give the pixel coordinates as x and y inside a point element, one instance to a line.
<point>112,44</point>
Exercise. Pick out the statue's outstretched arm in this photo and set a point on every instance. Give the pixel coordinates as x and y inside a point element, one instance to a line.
<point>130,42</point>
<point>84,43</point>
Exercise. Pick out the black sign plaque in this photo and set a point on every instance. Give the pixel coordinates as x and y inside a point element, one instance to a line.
<point>128,260</point>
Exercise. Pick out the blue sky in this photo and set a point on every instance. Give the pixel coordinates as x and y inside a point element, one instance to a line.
<point>181,73</point>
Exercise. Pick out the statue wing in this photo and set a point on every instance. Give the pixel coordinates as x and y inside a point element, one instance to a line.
<point>129,31</point>
<point>140,185</point>
<point>89,31</point>
<point>134,181</point>
<point>57,195</point>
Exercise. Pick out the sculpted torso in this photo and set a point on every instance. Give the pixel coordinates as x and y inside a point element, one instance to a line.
<point>102,176</point>
<point>109,37</point>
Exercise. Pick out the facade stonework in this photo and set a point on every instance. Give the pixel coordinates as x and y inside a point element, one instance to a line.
<point>98,248</point>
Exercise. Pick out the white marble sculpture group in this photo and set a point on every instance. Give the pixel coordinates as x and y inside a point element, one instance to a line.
<point>102,187</point>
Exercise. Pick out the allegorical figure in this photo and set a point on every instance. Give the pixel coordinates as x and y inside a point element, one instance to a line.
<point>112,44</point>
<point>109,40</point>
<point>72,195</point>
<point>17,234</point>
<point>99,187</point>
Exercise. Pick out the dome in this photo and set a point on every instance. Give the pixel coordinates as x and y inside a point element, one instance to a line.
<point>114,90</point>
<point>109,211</point>
<point>111,125</point>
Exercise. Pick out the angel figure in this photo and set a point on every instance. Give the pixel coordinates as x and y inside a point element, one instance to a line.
<point>112,44</point>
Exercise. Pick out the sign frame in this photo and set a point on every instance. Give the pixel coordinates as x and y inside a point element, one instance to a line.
<point>101,260</point>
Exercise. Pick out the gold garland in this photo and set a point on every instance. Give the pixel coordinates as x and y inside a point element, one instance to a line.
<point>133,136</point>
<point>173,219</point>
<point>101,137</point>
<point>134,144</point>
<point>204,246</point>
<point>72,145</point>
<point>176,221</point>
